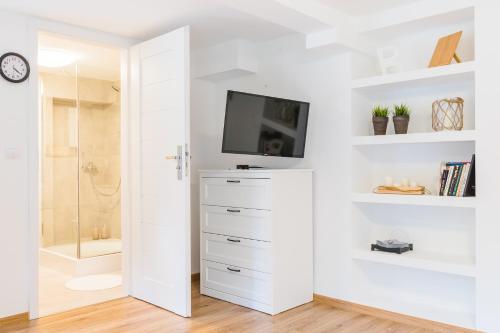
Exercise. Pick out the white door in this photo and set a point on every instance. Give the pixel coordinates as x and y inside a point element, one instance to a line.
<point>161,241</point>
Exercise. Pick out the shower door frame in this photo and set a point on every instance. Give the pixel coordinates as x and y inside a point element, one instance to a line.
<point>36,26</point>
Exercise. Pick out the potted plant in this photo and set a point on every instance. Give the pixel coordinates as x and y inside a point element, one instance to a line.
<point>401,118</point>
<point>380,118</point>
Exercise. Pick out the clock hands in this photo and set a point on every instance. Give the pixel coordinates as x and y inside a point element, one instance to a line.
<point>15,69</point>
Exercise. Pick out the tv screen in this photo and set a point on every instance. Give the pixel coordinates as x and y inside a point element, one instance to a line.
<point>263,125</point>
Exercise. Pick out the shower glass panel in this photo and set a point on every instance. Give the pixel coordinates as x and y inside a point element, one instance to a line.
<point>99,177</point>
<point>81,180</point>
<point>60,161</point>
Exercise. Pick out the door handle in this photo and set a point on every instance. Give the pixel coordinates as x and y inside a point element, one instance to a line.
<point>187,160</point>
<point>233,181</point>
<point>233,269</point>
<point>233,240</point>
<point>233,210</point>
<point>178,158</point>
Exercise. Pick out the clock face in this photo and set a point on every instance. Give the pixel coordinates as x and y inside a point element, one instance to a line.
<point>14,67</point>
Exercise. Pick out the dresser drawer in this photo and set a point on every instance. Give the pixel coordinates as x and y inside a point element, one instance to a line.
<point>239,222</point>
<point>237,281</point>
<point>236,192</point>
<point>236,251</point>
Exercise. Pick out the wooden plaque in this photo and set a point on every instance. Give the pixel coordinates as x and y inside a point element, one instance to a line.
<point>446,50</point>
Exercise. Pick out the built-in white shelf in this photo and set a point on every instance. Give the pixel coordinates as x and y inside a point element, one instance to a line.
<point>437,280</point>
<point>229,60</point>
<point>421,260</point>
<point>429,137</point>
<point>416,20</point>
<point>415,200</point>
<point>226,74</point>
<point>422,77</point>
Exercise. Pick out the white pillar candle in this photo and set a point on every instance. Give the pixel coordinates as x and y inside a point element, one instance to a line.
<point>388,181</point>
<point>405,181</point>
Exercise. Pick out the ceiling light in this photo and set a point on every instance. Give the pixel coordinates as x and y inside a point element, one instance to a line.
<point>55,58</point>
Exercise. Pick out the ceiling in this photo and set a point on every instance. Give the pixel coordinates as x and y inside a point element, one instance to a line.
<point>94,61</point>
<point>212,21</point>
<point>364,7</point>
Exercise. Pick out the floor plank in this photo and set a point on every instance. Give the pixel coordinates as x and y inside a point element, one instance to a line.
<point>128,315</point>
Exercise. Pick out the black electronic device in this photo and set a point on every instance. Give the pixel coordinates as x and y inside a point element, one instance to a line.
<point>398,250</point>
<point>263,125</point>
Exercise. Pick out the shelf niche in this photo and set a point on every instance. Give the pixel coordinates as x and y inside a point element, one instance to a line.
<point>437,280</point>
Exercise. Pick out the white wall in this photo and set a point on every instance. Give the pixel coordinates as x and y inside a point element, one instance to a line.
<point>19,155</point>
<point>286,70</point>
<point>488,182</point>
<point>13,174</point>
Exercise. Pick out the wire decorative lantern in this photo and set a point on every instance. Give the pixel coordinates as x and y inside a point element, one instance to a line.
<point>448,114</point>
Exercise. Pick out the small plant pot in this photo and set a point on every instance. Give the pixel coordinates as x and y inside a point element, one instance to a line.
<point>400,124</point>
<point>380,125</point>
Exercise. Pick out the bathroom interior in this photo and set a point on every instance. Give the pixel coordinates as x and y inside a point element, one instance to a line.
<point>80,240</point>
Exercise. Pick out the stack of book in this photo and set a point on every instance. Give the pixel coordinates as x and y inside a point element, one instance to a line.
<point>458,179</point>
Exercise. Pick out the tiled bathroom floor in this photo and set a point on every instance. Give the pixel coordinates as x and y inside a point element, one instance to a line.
<point>55,298</point>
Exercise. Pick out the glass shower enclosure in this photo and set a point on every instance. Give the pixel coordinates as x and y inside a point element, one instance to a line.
<point>80,158</point>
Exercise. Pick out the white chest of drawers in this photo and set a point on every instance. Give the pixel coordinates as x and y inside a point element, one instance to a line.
<point>257,237</point>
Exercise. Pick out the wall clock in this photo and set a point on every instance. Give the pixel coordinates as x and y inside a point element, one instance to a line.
<point>14,67</point>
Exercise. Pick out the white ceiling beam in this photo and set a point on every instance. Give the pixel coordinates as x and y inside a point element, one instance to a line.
<point>275,12</point>
<point>318,11</point>
<point>342,32</point>
<point>336,40</point>
<point>322,25</point>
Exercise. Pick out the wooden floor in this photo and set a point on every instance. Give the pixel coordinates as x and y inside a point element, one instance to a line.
<point>209,315</point>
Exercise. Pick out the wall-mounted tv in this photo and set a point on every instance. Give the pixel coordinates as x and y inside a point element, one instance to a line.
<point>263,125</point>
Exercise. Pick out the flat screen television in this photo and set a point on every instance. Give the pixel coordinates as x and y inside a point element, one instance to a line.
<point>263,125</point>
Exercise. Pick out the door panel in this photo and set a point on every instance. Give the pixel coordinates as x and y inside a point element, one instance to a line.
<point>154,124</point>
<point>158,68</point>
<point>160,96</point>
<point>161,258</point>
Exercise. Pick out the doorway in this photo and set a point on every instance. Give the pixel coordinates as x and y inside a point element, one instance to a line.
<point>154,180</point>
<point>80,253</point>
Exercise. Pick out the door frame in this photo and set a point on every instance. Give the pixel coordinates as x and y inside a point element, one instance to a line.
<point>34,27</point>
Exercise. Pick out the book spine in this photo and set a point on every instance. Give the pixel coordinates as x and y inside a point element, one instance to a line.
<point>463,180</point>
<point>470,182</point>
<point>444,178</point>
<point>453,180</point>
<point>457,180</point>
<point>448,180</point>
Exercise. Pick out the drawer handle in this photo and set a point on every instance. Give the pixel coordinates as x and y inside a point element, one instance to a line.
<point>233,269</point>
<point>233,181</point>
<point>233,210</point>
<point>233,240</point>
